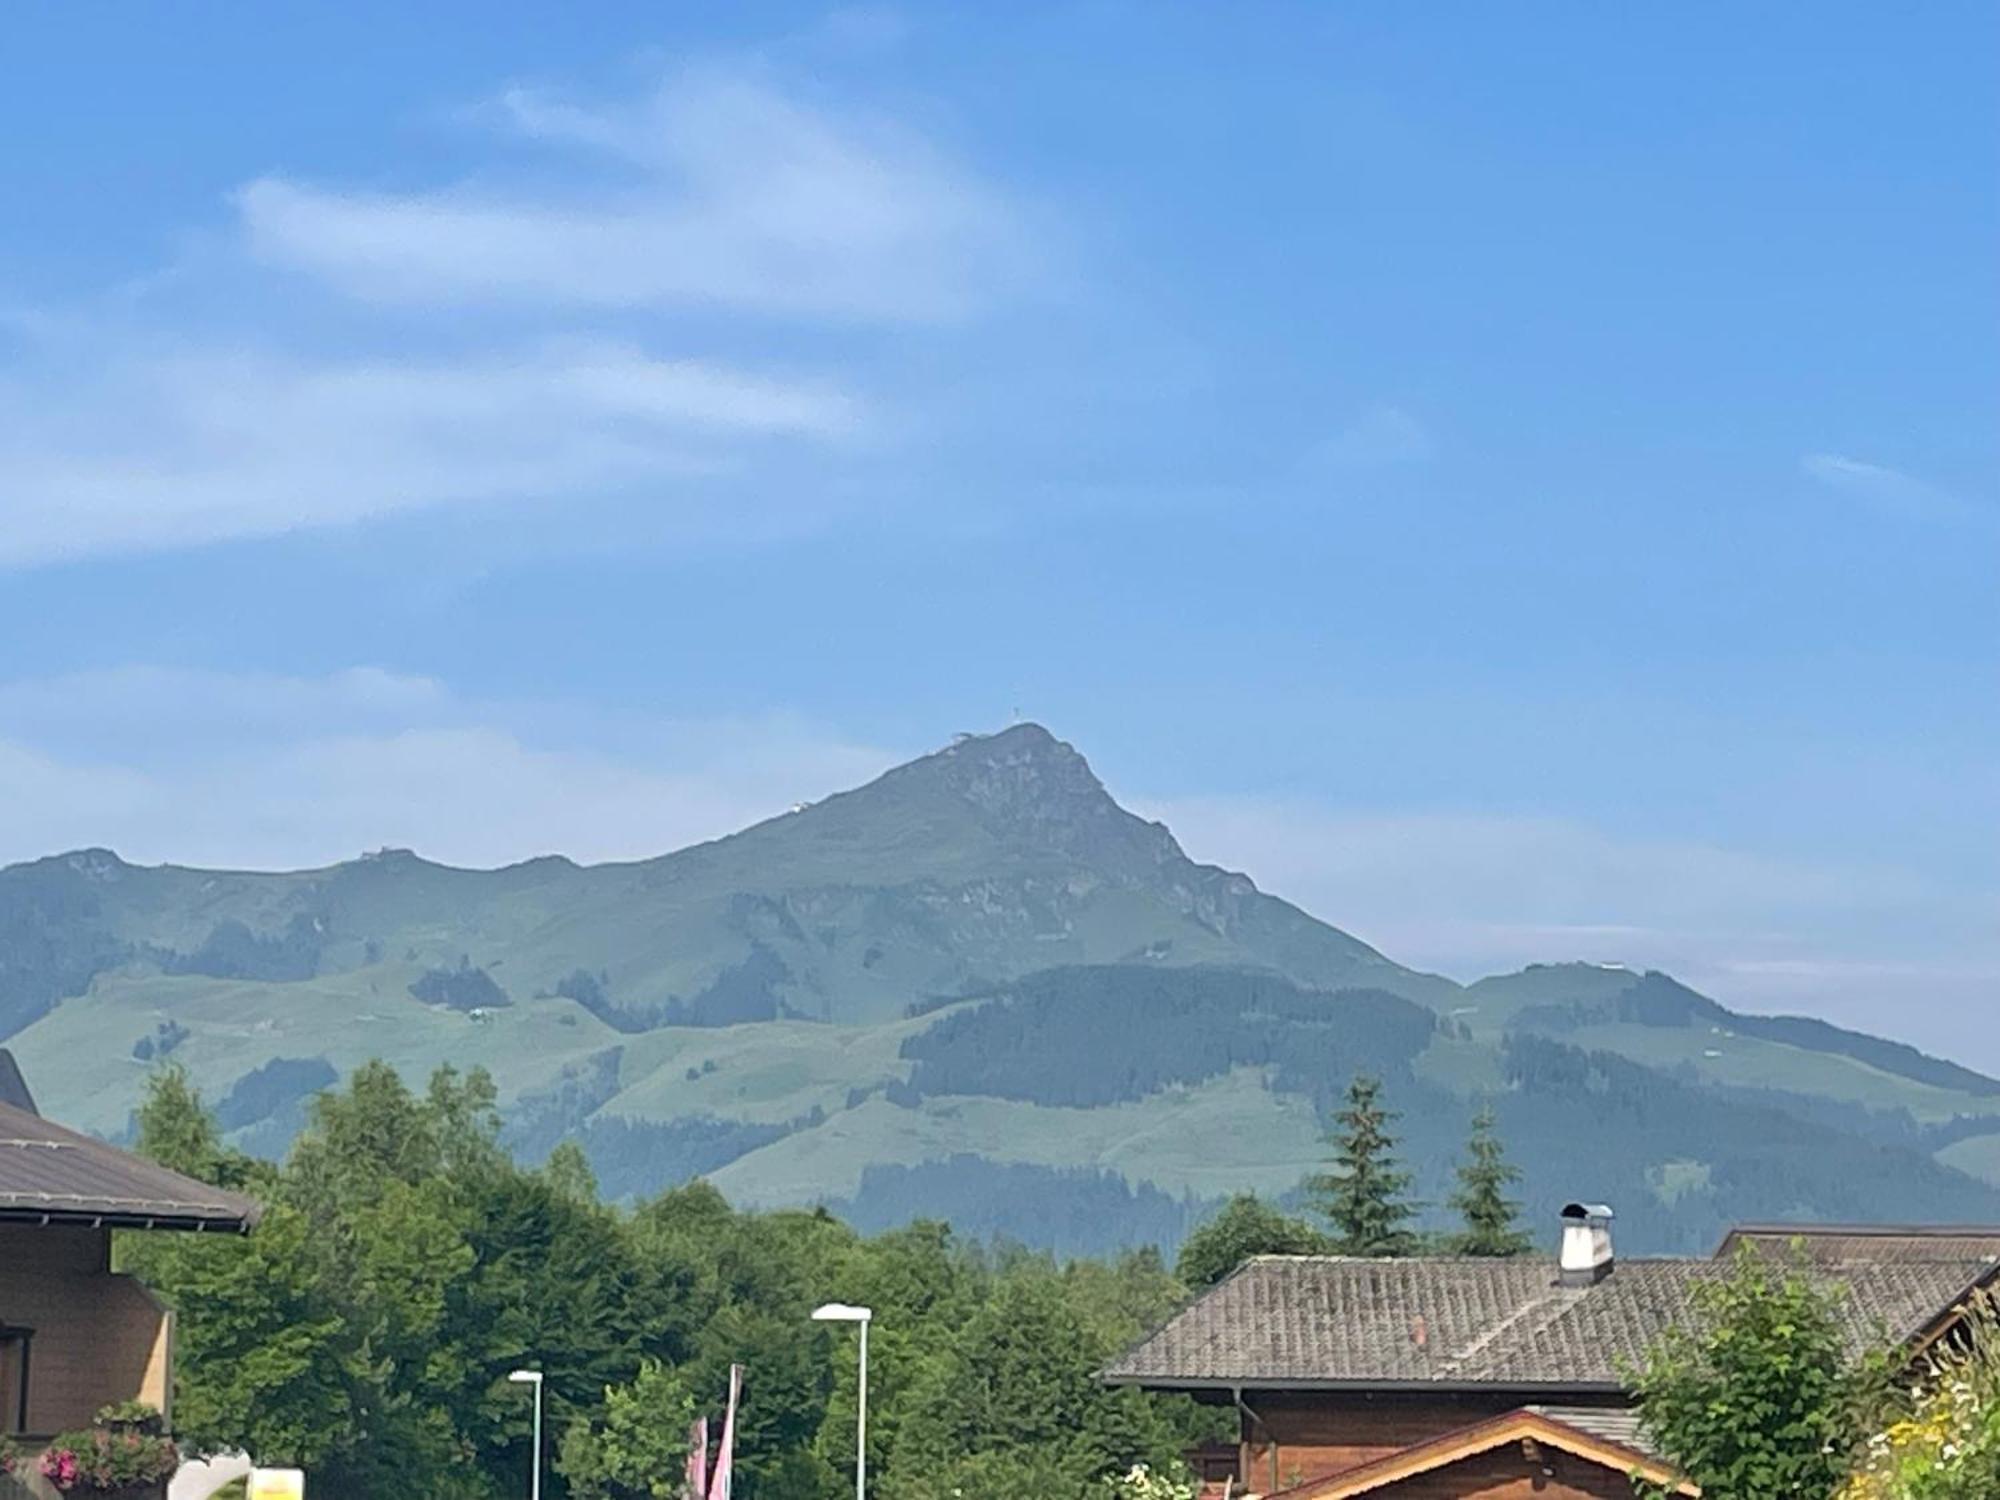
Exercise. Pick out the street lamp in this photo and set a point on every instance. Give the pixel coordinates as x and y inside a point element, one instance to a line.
<point>533,1378</point>
<point>842,1312</point>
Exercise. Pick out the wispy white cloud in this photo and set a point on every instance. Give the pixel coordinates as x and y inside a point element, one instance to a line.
<point>181,450</point>
<point>489,380</point>
<point>264,771</point>
<point>1888,490</point>
<point>729,194</point>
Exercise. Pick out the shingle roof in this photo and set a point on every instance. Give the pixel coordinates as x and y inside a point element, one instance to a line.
<point>1305,1321</point>
<point>52,1175</point>
<point>1843,1244</point>
<point>1614,1424</point>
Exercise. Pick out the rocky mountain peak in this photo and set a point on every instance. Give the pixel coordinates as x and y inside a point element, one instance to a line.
<point>1021,772</point>
<point>1031,787</point>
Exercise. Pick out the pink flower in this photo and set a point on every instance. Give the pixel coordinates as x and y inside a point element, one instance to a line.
<point>58,1466</point>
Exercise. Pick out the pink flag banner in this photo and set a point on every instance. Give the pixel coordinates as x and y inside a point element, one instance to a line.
<point>725,1461</point>
<point>697,1464</point>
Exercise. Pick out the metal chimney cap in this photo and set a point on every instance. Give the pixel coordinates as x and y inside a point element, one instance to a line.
<point>1587,1211</point>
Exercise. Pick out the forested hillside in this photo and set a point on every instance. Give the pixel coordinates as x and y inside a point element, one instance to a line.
<point>976,985</point>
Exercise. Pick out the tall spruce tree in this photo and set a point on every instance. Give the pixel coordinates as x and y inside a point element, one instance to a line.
<point>1488,1213</point>
<point>1363,1196</point>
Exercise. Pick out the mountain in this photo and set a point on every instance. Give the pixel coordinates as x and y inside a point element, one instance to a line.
<point>993,858</point>
<point>974,973</point>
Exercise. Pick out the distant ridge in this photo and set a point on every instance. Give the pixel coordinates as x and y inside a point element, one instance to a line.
<point>977,974</point>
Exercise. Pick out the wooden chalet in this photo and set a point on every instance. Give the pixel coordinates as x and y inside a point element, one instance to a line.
<point>1437,1378</point>
<point>75,1336</point>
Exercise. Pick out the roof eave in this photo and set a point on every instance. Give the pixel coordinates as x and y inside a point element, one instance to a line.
<point>128,1219</point>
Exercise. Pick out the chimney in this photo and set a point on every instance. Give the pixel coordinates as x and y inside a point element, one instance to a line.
<point>1586,1246</point>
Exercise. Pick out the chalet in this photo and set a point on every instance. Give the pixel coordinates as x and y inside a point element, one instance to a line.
<point>1451,1377</point>
<point>76,1336</point>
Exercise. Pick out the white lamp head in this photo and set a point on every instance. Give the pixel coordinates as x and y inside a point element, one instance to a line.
<point>526,1377</point>
<point>841,1312</point>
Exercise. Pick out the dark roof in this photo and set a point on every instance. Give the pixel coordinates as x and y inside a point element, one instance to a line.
<point>49,1175</point>
<point>1844,1244</point>
<point>1299,1322</point>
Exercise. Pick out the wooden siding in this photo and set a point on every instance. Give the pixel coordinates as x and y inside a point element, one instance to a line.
<point>1508,1474</point>
<point>55,1250</point>
<point>1297,1436</point>
<point>98,1338</point>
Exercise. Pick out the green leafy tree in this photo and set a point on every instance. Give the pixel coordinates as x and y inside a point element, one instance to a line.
<point>1363,1196</point>
<point>1019,1388</point>
<point>787,1376</point>
<point>1123,1297</point>
<point>1244,1226</point>
<point>260,1354</point>
<point>923,1288</point>
<point>403,1265</point>
<point>173,1127</point>
<point>1489,1215</point>
<point>637,1448</point>
<point>568,1172</point>
<point>1757,1400</point>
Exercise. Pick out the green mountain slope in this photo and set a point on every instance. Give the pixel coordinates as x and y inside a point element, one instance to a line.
<point>975,972</point>
<point>990,859</point>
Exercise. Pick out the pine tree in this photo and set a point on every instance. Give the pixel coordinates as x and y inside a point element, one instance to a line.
<point>1362,1197</point>
<point>1481,1200</point>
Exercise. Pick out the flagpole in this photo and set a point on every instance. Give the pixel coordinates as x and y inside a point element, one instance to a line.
<point>696,1484</point>
<point>723,1480</point>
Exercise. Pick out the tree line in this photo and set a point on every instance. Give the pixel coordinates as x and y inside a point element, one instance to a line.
<point>1364,1199</point>
<point>405,1263</point>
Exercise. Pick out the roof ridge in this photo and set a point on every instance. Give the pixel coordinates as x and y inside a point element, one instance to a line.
<point>1308,1321</point>
<point>1460,1358</point>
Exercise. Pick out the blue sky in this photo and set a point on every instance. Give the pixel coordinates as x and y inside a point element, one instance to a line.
<point>1523,486</point>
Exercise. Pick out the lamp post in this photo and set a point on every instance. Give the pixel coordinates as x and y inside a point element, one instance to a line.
<point>533,1378</point>
<point>842,1312</point>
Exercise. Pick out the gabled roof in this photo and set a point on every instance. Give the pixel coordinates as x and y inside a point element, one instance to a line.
<point>50,1175</point>
<point>1575,1431</point>
<point>1620,1425</point>
<point>1330,1322</point>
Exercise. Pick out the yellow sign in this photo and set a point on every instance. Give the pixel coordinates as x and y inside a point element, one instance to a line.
<point>277,1484</point>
